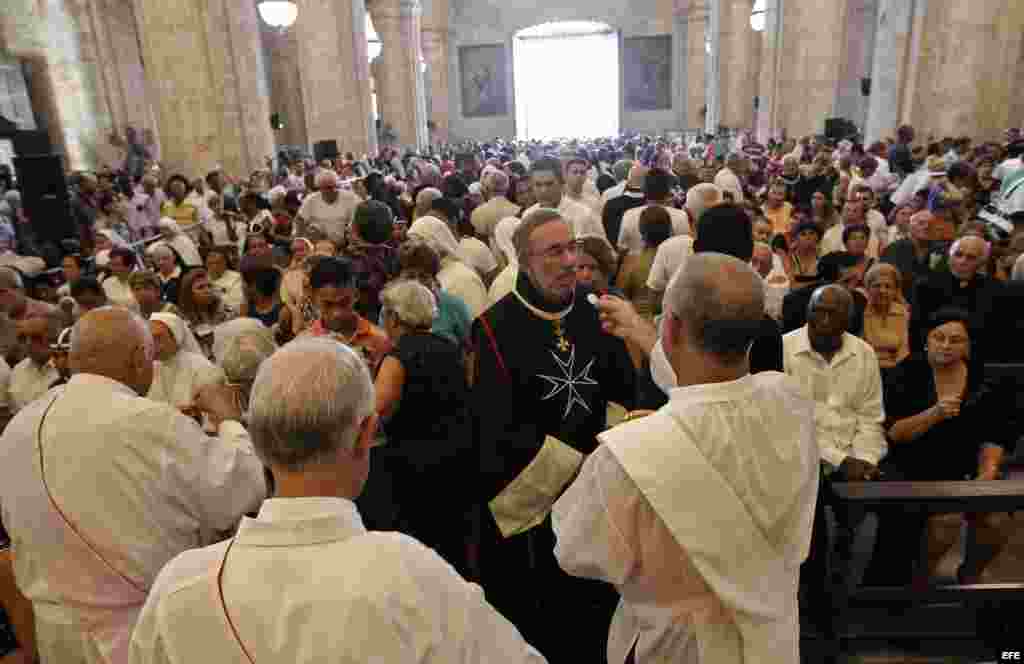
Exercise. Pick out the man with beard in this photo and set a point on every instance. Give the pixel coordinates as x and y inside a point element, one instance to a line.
<point>545,373</point>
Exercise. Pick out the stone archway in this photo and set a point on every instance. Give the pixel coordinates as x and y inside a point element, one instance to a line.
<point>566,80</point>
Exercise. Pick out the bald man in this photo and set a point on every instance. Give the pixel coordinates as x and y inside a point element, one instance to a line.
<point>92,522</point>
<point>700,514</point>
<point>964,286</point>
<point>330,209</point>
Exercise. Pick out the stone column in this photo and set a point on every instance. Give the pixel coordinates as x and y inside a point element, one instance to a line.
<point>680,63</point>
<point>404,107</point>
<point>966,68</point>
<point>84,73</point>
<point>857,55</point>
<point>712,65</point>
<point>768,79</point>
<point>205,63</point>
<point>739,65</point>
<point>435,52</point>
<point>285,76</point>
<point>696,13</point>
<point>892,44</point>
<point>335,73</point>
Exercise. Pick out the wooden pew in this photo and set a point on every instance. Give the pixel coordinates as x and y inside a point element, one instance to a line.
<point>988,600</point>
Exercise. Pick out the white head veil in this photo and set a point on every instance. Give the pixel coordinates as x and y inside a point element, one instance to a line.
<point>503,233</point>
<point>182,334</point>
<point>437,234</point>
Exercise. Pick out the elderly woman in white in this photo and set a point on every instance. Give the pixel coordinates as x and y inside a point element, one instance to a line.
<point>181,369</point>
<point>505,251</point>
<point>455,277</point>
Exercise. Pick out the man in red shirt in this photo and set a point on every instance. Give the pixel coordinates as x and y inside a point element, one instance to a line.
<point>335,293</point>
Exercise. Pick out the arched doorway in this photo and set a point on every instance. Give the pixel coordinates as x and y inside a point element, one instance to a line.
<point>566,80</point>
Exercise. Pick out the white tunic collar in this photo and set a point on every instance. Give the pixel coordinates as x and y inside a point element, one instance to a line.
<point>297,521</point>
<point>732,390</point>
<point>96,380</point>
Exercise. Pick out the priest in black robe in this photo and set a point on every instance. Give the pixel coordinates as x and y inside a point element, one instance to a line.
<point>545,374</point>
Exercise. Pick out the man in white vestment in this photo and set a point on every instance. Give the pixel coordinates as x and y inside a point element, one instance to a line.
<point>700,514</point>
<point>100,487</point>
<point>305,581</point>
<point>547,182</point>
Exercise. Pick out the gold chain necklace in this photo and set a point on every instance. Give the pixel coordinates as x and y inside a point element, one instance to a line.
<point>556,319</point>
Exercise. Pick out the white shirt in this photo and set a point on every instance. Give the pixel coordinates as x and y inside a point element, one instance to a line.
<point>331,218</point>
<point>141,482</point>
<point>462,281</point>
<point>671,255</point>
<point>477,255</point>
<point>584,222</point>
<point>1006,167</point>
<point>176,381</point>
<point>728,181</point>
<point>847,392</point>
<point>702,580</point>
<point>29,382</point>
<point>630,239</point>
<point>230,288</point>
<point>120,293</point>
<point>613,192</point>
<point>328,591</point>
<point>911,184</point>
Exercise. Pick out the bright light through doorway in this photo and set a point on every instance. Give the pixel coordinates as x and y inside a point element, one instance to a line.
<point>567,80</point>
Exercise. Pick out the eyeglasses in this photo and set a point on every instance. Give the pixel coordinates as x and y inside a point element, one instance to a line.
<point>555,252</point>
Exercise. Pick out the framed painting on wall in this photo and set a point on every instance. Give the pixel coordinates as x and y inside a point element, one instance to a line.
<point>484,79</point>
<point>647,73</point>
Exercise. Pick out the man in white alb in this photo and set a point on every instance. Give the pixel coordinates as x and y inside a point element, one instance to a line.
<point>329,210</point>
<point>100,487</point>
<point>305,581</point>
<point>700,514</point>
<point>32,377</point>
<point>548,186</point>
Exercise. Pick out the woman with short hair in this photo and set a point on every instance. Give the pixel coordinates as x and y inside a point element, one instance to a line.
<point>943,423</point>
<point>422,396</point>
<point>886,316</point>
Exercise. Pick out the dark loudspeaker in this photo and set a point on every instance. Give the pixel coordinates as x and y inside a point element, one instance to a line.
<point>325,150</point>
<point>31,143</point>
<point>837,129</point>
<point>44,195</point>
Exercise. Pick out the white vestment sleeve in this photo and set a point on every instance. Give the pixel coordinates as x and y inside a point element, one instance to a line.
<point>228,479</point>
<point>589,542</point>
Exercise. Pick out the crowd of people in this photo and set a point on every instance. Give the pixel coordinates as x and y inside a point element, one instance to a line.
<point>613,382</point>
